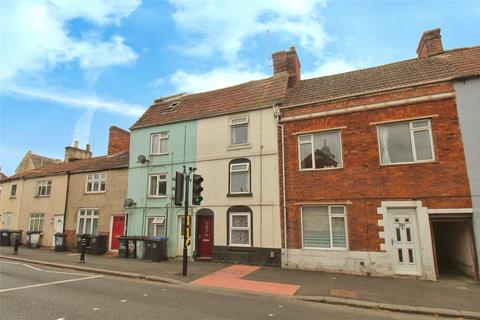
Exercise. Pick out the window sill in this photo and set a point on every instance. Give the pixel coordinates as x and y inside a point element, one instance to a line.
<point>239,146</point>
<point>239,248</point>
<point>320,169</point>
<point>38,197</point>
<point>157,197</point>
<point>237,195</point>
<point>407,163</point>
<point>96,192</point>
<point>159,154</point>
<point>325,249</point>
<point>12,197</point>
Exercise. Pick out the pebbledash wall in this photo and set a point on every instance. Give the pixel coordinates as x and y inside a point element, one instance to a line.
<point>214,154</point>
<point>108,203</point>
<point>182,149</point>
<point>370,190</point>
<point>468,99</point>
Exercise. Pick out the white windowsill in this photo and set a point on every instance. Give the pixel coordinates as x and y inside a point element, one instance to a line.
<point>320,169</point>
<point>159,154</point>
<point>156,197</point>
<point>95,192</point>
<point>406,163</point>
<point>239,146</point>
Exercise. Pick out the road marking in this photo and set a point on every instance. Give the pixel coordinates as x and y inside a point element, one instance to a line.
<point>49,283</point>
<point>72,273</point>
<point>31,267</point>
<point>73,254</point>
<point>122,301</point>
<point>96,309</point>
<point>145,294</point>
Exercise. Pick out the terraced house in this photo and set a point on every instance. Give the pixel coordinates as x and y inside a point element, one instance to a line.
<point>230,136</point>
<point>82,194</point>
<point>376,179</point>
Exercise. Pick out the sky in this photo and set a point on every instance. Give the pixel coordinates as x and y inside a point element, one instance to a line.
<point>71,69</point>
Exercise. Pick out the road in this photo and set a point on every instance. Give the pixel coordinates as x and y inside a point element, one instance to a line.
<point>29,291</point>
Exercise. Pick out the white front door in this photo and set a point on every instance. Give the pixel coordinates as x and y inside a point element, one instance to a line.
<point>404,241</point>
<point>57,226</point>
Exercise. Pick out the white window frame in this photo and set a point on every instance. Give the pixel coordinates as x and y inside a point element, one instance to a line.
<point>330,216</point>
<point>161,220</point>
<point>11,190</point>
<point>312,143</point>
<point>45,185</point>
<point>90,178</point>
<point>243,120</point>
<point>161,136</point>
<point>412,141</point>
<point>245,170</point>
<point>249,228</point>
<point>94,216</point>
<point>156,195</point>
<point>36,219</point>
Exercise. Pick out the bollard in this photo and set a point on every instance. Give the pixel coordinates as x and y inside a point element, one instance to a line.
<point>83,247</point>
<point>15,245</point>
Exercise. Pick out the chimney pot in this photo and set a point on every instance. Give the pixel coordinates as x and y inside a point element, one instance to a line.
<point>87,147</point>
<point>75,143</point>
<point>430,43</point>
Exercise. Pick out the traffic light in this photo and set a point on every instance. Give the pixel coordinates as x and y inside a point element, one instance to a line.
<point>178,188</point>
<point>197,189</point>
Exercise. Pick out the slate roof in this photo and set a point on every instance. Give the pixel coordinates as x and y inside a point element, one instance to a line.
<point>109,162</point>
<point>2,176</point>
<point>457,63</point>
<point>246,96</point>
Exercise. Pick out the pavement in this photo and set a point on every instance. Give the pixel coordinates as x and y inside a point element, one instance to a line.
<point>457,297</point>
<point>34,291</point>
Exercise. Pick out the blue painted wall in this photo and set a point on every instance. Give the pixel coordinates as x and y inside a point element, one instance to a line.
<point>182,150</point>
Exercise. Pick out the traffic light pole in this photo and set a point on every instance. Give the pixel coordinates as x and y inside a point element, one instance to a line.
<point>185,227</point>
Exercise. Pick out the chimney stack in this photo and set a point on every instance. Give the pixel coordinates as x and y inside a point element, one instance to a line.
<point>75,153</point>
<point>118,140</point>
<point>430,44</point>
<point>287,61</point>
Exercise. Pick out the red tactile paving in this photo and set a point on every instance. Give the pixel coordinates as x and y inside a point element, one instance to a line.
<point>231,278</point>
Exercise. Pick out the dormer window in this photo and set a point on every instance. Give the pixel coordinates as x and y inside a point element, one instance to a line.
<point>173,105</point>
<point>239,130</point>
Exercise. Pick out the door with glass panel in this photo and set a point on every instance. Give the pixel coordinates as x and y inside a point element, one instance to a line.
<point>404,241</point>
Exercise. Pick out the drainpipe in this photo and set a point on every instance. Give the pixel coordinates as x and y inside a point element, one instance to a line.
<point>66,203</point>
<point>284,194</point>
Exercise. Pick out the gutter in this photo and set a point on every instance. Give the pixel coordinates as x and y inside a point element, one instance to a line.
<point>277,114</point>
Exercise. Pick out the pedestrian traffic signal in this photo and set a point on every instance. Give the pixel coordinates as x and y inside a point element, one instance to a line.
<point>197,189</point>
<point>178,188</point>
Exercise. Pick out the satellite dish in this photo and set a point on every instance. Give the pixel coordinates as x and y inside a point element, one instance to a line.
<point>129,203</point>
<point>142,159</point>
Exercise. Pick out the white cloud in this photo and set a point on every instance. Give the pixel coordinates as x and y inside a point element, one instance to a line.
<point>214,79</point>
<point>78,100</point>
<point>225,25</point>
<point>35,35</point>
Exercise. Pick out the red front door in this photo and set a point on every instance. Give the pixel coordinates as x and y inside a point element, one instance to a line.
<point>205,236</point>
<point>118,228</point>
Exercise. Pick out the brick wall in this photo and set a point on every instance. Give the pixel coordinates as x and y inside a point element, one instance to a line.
<point>118,140</point>
<point>362,183</point>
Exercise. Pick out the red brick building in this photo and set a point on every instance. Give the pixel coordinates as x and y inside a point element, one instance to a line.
<point>375,174</point>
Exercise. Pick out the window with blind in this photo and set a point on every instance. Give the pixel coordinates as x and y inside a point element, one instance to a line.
<point>324,227</point>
